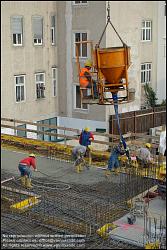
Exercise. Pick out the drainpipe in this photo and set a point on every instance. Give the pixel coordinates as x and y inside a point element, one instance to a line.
<point>69,78</point>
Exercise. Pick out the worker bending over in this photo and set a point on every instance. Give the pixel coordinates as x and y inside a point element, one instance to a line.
<point>143,155</point>
<point>86,138</point>
<point>86,80</point>
<point>25,170</point>
<point>113,160</point>
<point>78,154</point>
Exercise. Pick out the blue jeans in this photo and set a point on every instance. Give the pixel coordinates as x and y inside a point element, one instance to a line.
<point>113,162</point>
<point>25,170</point>
<point>95,92</point>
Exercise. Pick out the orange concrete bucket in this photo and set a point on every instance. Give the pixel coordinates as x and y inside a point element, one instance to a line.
<point>113,63</point>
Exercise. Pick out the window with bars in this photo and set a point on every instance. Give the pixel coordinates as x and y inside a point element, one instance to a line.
<point>20,88</point>
<point>40,85</point>
<point>77,99</point>
<point>53,30</point>
<point>17,30</point>
<point>82,48</point>
<point>146,31</point>
<point>54,81</point>
<point>37,23</point>
<point>146,72</point>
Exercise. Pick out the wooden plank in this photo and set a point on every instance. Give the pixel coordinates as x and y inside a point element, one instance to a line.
<point>41,132</point>
<point>14,190</point>
<point>56,134</point>
<point>40,125</point>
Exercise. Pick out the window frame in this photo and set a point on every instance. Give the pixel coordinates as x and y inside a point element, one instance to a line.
<point>16,34</point>
<point>53,30</point>
<point>40,82</point>
<point>52,35</point>
<point>54,79</point>
<point>147,72</point>
<point>81,109</point>
<point>39,41</point>
<point>79,4</point>
<point>20,85</point>
<point>74,50</point>
<point>144,31</point>
<point>21,133</point>
<point>44,137</point>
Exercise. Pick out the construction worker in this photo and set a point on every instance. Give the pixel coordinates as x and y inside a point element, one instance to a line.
<point>143,155</point>
<point>25,170</point>
<point>86,137</point>
<point>86,80</point>
<point>113,160</point>
<point>78,154</point>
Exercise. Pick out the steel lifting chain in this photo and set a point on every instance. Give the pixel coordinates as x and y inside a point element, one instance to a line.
<point>109,21</point>
<point>108,10</point>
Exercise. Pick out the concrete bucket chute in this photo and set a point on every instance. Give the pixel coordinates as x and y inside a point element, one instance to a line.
<point>113,63</point>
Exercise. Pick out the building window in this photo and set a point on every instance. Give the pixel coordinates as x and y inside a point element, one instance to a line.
<point>20,88</point>
<point>146,31</point>
<point>44,137</point>
<point>40,85</point>
<point>54,81</point>
<point>77,99</point>
<point>82,48</point>
<point>146,73</point>
<point>22,133</point>
<point>53,30</point>
<point>17,30</point>
<point>37,30</point>
<point>80,2</point>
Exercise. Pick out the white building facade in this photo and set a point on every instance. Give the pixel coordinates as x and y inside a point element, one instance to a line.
<point>39,79</point>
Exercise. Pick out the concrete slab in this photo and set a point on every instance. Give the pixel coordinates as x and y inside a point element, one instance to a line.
<point>134,234</point>
<point>157,207</point>
<point>59,170</point>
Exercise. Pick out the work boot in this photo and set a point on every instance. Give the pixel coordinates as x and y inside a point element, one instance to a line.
<point>28,183</point>
<point>107,172</point>
<point>116,171</point>
<point>78,169</point>
<point>23,181</point>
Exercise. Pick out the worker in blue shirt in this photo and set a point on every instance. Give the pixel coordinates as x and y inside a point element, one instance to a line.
<point>113,160</point>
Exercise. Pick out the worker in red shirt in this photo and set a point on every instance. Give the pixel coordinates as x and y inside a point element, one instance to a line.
<point>25,170</point>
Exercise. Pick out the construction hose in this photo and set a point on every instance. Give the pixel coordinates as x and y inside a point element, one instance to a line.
<point>115,99</point>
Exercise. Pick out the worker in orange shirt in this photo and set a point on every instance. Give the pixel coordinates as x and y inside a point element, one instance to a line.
<point>25,170</point>
<point>86,80</point>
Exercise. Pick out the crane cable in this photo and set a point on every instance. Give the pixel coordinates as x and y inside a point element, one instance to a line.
<point>109,21</point>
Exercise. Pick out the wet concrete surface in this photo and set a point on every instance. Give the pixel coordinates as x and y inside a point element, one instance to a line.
<point>60,170</point>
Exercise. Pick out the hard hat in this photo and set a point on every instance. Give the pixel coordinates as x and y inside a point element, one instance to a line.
<point>32,155</point>
<point>88,63</point>
<point>86,129</point>
<point>148,145</point>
